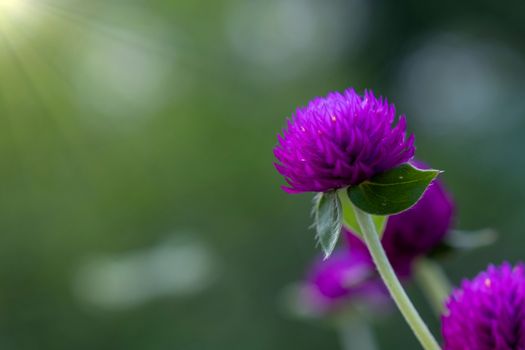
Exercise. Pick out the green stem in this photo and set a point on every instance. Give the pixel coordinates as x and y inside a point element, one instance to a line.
<point>434,283</point>
<point>356,334</point>
<point>391,281</point>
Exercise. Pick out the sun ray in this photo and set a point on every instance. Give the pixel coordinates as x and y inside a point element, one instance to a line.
<point>39,74</point>
<point>30,73</point>
<point>16,127</point>
<point>33,70</point>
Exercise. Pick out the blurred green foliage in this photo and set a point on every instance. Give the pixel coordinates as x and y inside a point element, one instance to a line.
<point>123,123</point>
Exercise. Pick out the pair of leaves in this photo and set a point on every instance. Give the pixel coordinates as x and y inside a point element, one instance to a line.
<point>388,193</point>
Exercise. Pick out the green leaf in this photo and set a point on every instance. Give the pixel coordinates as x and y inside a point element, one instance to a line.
<point>349,219</point>
<point>328,219</point>
<point>393,191</point>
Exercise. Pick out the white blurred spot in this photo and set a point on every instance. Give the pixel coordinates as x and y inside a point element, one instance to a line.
<point>176,268</point>
<point>125,70</point>
<point>454,84</point>
<point>122,80</point>
<point>286,37</point>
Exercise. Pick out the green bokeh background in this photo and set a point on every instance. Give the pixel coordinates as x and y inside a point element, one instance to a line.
<point>127,124</point>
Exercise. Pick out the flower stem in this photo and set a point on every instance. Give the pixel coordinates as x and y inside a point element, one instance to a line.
<point>391,281</point>
<point>434,283</point>
<point>356,333</point>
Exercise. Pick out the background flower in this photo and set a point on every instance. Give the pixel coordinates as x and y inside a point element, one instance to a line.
<point>341,140</point>
<point>417,231</point>
<point>344,277</point>
<point>487,312</point>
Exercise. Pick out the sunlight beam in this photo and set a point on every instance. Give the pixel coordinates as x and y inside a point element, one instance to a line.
<point>14,8</point>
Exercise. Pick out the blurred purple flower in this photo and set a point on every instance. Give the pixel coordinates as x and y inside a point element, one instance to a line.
<point>417,231</point>
<point>342,277</point>
<point>488,312</point>
<point>350,273</point>
<point>341,140</point>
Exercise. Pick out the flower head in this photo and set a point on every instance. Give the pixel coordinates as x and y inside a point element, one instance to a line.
<point>341,140</point>
<point>343,277</point>
<point>418,230</point>
<point>488,312</point>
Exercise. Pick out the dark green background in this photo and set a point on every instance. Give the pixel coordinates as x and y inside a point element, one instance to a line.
<point>126,124</point>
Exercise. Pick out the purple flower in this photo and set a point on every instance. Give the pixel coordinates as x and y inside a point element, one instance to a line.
<point>418,230</point>
<point>341,140</point>
<point>488,312</point>
<point>343,277</point>
<point>350,273</point>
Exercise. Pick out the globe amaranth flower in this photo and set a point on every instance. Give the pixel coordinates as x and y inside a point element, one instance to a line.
<point>343,277</point>
<point>488,312</point>
<point>341,140</point>
<point>418,230</point>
